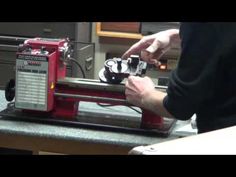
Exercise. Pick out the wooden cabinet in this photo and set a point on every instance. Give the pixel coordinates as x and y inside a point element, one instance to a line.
<point>129,27</point>
<point>132,30</point>
<point>122,30</point>
<point>124,33</point>
<point>127,33</point>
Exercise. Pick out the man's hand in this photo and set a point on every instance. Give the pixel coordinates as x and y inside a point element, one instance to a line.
<point>154,46</point>
<point>141,92</point>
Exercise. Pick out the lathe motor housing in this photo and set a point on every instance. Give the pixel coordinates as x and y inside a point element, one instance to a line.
<point>38,67</point>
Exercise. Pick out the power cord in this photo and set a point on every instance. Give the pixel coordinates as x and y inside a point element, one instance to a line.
<point>74,60</point>
<point>109,105</point>
<point>77,63</point>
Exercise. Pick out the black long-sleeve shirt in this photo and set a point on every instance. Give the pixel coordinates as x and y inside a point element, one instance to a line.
<point>204,81</point>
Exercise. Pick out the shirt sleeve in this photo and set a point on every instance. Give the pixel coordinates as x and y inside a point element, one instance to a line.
<point>194,77</point>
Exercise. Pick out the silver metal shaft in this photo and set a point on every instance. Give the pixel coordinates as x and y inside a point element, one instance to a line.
<point>95,98</point>
<point>97,85</point>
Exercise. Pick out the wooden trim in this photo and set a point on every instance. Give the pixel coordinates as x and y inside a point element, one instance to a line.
<point>37,144</point>
<point>116,34</point>
<point>98,27</point>
<point>124,27</point>
<point>119,41</point>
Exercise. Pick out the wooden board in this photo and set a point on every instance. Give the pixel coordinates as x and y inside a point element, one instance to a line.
<point>131,27</point>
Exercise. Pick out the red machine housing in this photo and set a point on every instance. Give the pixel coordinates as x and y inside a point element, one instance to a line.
<point>52,46</point>
<point>33,54</point>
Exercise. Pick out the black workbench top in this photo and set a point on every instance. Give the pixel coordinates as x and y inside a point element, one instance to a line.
<point>77,134</point>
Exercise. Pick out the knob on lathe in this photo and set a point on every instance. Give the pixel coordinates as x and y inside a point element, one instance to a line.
<point>119,62</point>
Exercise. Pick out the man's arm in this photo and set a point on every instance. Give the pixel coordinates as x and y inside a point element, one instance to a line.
<point>141,91</point>
<point>193,80</point>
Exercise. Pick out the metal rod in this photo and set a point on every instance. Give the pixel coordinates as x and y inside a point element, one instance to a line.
<point>114,100</point>
<point>97,84</point>
<point>11,38</point>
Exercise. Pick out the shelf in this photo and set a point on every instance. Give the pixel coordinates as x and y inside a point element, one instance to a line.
<point>111,34</point>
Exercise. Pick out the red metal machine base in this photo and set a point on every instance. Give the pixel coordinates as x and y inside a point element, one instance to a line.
<point>67,102</point>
